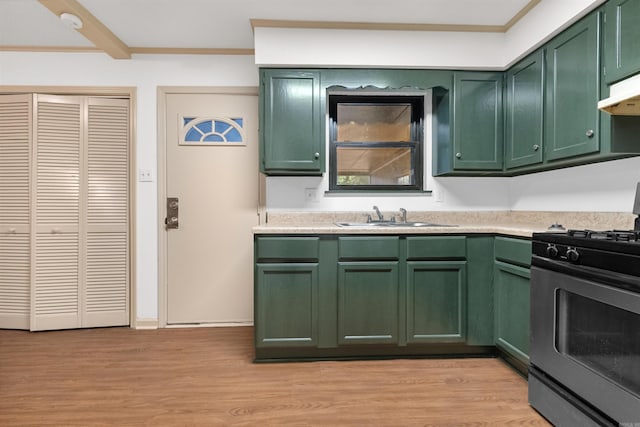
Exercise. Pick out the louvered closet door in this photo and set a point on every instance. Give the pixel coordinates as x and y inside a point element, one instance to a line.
<point>55,294</point>
<point>81,213</point>
<point>106,290</point>
<point>15,143</point>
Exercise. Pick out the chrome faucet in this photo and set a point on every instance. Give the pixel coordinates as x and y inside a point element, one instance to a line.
<point>403,213</point>
<point>380,217</point>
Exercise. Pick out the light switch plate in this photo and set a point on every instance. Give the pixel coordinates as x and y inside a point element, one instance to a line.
<point>145,175</point>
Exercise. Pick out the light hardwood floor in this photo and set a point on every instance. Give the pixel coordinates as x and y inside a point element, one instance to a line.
<point>205,377</point>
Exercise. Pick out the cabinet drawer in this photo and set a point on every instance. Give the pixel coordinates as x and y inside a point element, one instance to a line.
<point>371,248</point>
<point>287,248</point>
<point>515,251</point>
<point>436,247</point>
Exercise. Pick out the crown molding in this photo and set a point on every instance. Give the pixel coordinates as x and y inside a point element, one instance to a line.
<point>386,26</point>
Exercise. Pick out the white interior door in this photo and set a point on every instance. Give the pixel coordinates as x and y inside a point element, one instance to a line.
<point>212,169</point>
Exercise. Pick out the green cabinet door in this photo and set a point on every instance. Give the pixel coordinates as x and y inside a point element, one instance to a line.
<point>524,112</point>
<point>286,311</point>
<point>368,302</point>
<point>511,293</point>
<point>621,39</point>
<point>572,91</point>
<point>436,301</point>
<point>477,121</point>
<point>291,123</point>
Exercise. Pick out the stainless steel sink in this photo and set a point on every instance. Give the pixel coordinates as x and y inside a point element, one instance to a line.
<point>391,224</point>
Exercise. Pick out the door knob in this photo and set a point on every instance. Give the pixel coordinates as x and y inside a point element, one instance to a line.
<point>536,147</point>
<point>458,155</point>
<point>316,156</point>
<point>590,133</point>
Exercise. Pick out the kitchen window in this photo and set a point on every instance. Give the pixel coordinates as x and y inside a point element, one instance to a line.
<point>376,141</point>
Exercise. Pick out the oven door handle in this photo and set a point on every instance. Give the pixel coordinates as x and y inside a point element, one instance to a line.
<point>611,278</point>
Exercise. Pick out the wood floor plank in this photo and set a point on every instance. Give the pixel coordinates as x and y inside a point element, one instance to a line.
<point>206,377</point>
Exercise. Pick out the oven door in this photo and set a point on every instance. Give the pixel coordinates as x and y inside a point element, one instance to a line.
<point>586,335</point>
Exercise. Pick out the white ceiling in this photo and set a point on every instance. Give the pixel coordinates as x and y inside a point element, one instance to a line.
<point>226,24</point>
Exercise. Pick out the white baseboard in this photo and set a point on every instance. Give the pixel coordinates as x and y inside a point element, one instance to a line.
<point>145,324</point>
<point>211,325</point>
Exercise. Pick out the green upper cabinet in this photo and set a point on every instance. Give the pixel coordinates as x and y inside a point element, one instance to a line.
<point>291,123</point>
<point>621,39</point>
<point>572,91</point>
<point>477,121</point>
<point>524,112</point>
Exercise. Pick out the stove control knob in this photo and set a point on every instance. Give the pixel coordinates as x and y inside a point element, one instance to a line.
<point>552,251</point>
<point>573,255</point>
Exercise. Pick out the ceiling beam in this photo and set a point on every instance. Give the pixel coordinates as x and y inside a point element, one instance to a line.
<point>94,30</point>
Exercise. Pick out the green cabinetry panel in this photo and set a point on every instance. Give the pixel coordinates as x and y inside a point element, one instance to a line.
<point>524,112</point>
<point>513,251</point>
<point>287,248</point>
<point>436,301</point>
<point>291,123</point>
<point>477,119</point>
<point>436,247</point>
<point>512,298</point>
<point>369,247</point>
<point>480,310</point>
<point>621,39</point>
<point>342,296</point>
<point>367,302</point>
<point>572,91</point>
<point>286,305</point>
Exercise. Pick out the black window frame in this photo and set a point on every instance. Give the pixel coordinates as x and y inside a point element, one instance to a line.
<point>417,102</point>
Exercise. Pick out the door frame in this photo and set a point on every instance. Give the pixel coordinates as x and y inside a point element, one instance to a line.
<point>130,93</point>
<point>162,93</point>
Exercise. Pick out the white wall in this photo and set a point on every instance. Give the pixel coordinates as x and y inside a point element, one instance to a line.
<point>377,49</point>
<point>601,187</point>
<point>146,73</point>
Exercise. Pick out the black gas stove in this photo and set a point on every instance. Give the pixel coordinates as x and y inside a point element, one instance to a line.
<point>585,326</point>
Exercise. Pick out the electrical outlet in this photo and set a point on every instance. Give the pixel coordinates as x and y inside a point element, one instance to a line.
<point>310,195</point>
<point>440,196</point>
<point>144,175</point>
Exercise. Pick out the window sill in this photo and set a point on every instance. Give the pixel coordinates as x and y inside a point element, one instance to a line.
<point>381,193</point>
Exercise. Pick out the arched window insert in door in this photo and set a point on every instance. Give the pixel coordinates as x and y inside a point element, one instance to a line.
<point>212,131</point>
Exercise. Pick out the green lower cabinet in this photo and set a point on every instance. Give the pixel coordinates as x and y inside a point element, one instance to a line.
<point>511,293</point>
<point>436,301</point>
<point>286,305</point>
<point>368,302</point>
